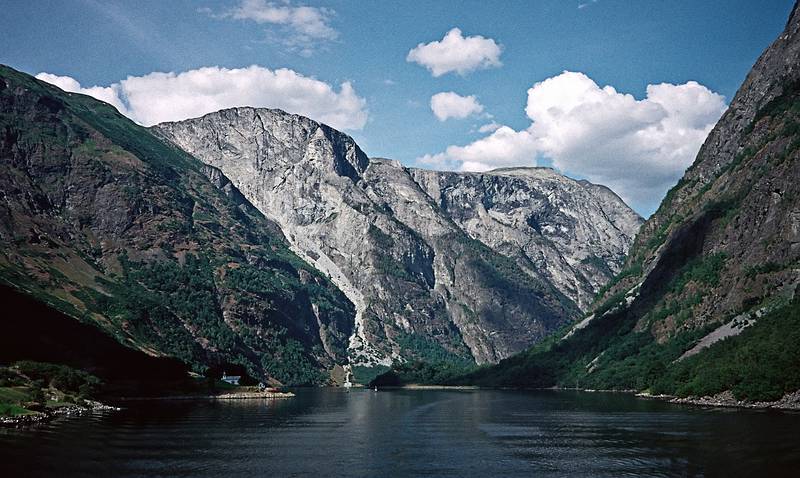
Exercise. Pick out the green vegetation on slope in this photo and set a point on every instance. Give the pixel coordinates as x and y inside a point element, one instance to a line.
<point>117,228</point>
<point>28,387</point>
<point>419,372</point>
<point>716,248</point>
<point>428,362</point>
<point>761,363</point>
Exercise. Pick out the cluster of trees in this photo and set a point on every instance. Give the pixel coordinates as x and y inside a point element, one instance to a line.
<point>145,312</point>
<point>289,362</point>
<point>62,377</point>
<point>154,299</point>
<point>420,372</point>
<point>187,291</point>
<point>761,363</point>
<point>430,351</point>
<point>23,385</point>
<point>286,357</point>
<point>430,363</point>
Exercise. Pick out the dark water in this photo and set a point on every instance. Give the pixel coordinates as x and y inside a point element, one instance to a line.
<point>411,433</point>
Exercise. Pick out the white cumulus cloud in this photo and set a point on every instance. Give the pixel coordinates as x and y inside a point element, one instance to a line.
<point>158,97</point>
<point>504,147</point>
<point>457,53</point>
<point>448,104</point>
<point>638,147</point>
<point>109,94</point>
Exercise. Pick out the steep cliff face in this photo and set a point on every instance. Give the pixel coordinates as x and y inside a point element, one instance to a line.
<point>574,233</point>
<point>121,230</point>
<point>720,255</point>
<point>439,265</point>
<point>739,198</point>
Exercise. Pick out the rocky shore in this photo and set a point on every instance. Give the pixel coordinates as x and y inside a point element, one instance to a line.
<point>89,406</point>
<point>790,401</point>
<point>221,396</point>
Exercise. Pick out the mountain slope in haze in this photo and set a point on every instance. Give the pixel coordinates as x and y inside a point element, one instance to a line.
<point>440,266</point>
<point>708,300</point>
<point>121,230</point>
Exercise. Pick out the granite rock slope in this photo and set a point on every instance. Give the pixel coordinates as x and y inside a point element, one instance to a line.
<point>447,266</point>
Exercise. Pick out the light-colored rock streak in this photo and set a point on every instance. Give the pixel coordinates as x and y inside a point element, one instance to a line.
<point>730,329</point>
<point>361,352</point>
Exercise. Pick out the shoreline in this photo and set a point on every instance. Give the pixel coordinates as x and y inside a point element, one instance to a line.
<point>37,418</point>
<point>789,402</point>
<point>221,396</point>
<point>413,386</point>
<point>725,400</point>
<point>92,406</point>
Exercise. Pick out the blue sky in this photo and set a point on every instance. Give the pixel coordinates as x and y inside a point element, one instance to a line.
<point>622,141</point>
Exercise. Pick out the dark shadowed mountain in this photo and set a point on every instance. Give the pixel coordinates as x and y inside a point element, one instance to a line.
<point>125,232</point>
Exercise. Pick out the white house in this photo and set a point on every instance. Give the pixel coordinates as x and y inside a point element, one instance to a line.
<point>231,379</point>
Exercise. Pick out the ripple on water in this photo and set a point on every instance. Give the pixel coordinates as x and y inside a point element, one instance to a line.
<point>408,433</point>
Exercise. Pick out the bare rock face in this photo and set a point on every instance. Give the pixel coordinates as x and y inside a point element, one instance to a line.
<point>439,265</point>
<point>736,208</point>
<point>574,233</point>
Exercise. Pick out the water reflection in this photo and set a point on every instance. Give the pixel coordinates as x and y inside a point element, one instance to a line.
<point>332,432</point>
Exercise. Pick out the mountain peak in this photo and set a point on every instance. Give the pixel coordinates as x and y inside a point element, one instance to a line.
<point>438,256</point>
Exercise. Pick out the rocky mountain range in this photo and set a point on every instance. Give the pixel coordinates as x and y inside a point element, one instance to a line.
<point>707,302</point>
<point>464,266</point>
<point>265,240</point>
